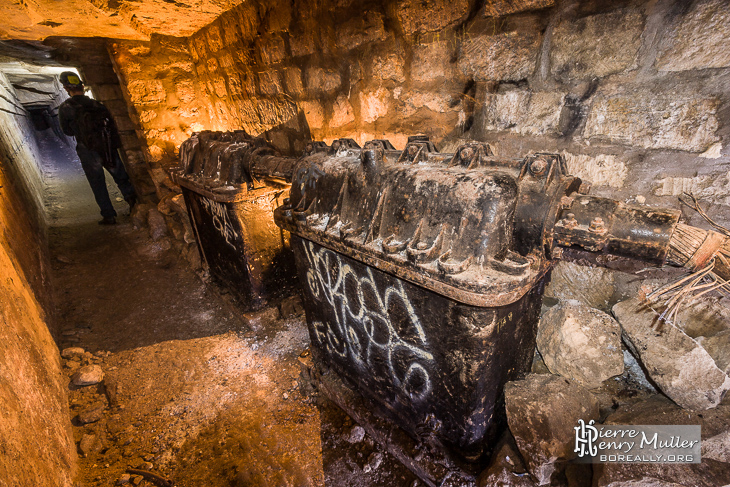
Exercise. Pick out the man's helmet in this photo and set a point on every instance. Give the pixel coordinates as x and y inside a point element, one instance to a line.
<point>70,79</point>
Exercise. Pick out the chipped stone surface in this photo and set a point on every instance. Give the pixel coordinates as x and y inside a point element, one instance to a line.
<point>374,104</point>
<point>541,412</point>
<point>342,113</point>
<point>510,56</point>
<point>270,82</point>
<point>367,27</point>
<point>655,121</point>
<point>704,316</point>
<point>314,113</point>
<point>271,50</point>
<point>580,343</point>
<point>322,81</point>
<point>717,447</point>
<point>498,8</point>
<point>718,346</point>
<point>432,62</point>
<point>430,15</point>
<point>600,170</point>
<point>146,92</point>
<point>389,67</point>
<point>681,368</point>
<point>415,100</point>
<point>596,46</point>
<point>293,81</point>
<point>524,112</point>
<point>592,286</point>
<point>714,187</point>
<point>699,39</point>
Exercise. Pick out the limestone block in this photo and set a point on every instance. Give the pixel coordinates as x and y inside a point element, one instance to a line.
<point>219,87</point>
<point>431,62</point>
<point>509,56</point>
<point>681,368</point>
<point>499,8</point>
<point>374,104</point>
<point>542,411</point>
<point>681,121</point>
<point>293,81</point>
<point>185,91</point>
<point>430,15</point>
<point>600,170</point>
<point>314,113</point>
<point>367,27</point>
<point>596,46</point>
<point>718,346</point>
<point>580,343</point>
<point>524,112</point>
<point>271,50</point>
<point>717,447</point>
<point>213,36</point>
<point>146,92</point>
<point>225,61</point>
<point>305,43</point>
<point>415,100</point>
<point>270,82</point>
<point>699,39</point>
<point>341,112</point>
<point>389,67</point>
<point>322,81</point>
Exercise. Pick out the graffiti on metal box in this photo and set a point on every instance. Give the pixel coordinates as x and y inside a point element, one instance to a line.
<point>221,221</point>
<point>375,327</point>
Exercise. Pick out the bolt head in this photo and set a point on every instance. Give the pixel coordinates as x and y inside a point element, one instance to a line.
<point>538,167</point>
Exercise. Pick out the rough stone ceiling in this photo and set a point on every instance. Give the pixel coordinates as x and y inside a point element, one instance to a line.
<point>119,19</point>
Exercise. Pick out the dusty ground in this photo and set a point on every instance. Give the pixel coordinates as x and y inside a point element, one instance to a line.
<point>190,392</point>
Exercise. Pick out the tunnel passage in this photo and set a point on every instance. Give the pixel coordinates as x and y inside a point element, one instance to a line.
<point>632,95</point>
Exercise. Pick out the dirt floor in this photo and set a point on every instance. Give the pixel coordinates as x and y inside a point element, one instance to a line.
<point>191,395</point>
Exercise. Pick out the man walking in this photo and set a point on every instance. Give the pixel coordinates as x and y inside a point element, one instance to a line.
<point>97,144</point>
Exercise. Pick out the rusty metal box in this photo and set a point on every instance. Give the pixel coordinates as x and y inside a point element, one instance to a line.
<point>413,292</point>
<point>231,183</point>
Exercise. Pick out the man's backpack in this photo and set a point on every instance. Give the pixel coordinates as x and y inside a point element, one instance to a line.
<point>96,130</point>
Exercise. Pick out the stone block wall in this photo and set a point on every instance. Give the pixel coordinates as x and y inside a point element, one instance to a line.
<point>35,430</point>
<point>633,92</point>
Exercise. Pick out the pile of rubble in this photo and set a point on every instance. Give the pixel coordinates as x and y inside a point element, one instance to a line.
<point>616,363</point>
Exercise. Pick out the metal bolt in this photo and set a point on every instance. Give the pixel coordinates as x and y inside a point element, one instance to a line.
<point>466,153</point>
<point>597,225</point>
<point>538,167</point>
<point>569,222</point>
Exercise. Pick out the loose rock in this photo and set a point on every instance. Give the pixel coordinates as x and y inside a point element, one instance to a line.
<point>88,375</point>
<point>718,346</point>
<point>72,352</point>
<point>681,368</point>
<point>291,306</point>
<point>592,286</point>
<point>257,320</point>
<point>89,444</point>
<point>542,411</point>
<point>357,434</point>
<point>91,415</point>
<point>506,467</point>
<point>158,226</point>
<point>124,479</point>
<point>580,343</point>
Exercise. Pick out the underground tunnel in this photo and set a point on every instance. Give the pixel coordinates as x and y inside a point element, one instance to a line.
<point>417,243</point>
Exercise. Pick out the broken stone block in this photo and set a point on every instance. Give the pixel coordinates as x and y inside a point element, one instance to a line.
<point>699,40</point>
<point>681,368</point>
<point>157,224</point>
<point>717,447</point>
<point>592,286</point>
<point>542,411</point>
<point>597,45</point>
<point>506,467</point>
<point>510,56</point>
<point>430,15</point>
<point>524,112</point>
<point>88,375</point>
<point>681,121</point>
<point>580,343</point>
<point>718,346</point>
